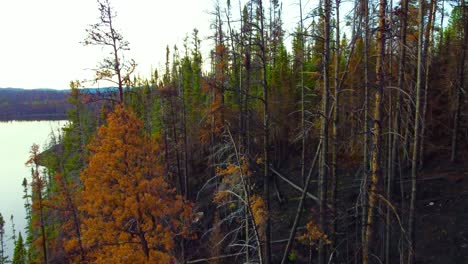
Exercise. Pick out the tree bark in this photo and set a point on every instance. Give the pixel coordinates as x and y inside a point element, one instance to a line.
<point>364,198</point>
<point>460,86</point>
<point>428,33</point>
<point>266,174</point>
<point>416,137</point>
<point>398,108</point>
<point>389,173</point>
<point>302,95</point>
<point>377,131</point>
<point>323,170</point>
<point>334,145</point>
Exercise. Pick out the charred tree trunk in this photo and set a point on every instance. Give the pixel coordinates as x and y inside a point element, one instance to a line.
<point>266,160</point>
<point>416,137</point>
<point>302,95</point>
<point>323,169</point>
<point>428,33</point>
<point>334,145</point>
<point>460,86</point>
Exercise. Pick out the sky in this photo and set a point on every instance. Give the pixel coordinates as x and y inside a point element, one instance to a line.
<point>41,41</point>
<point>41,45</point>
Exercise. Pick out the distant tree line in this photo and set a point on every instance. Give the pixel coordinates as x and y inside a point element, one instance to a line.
<point>37,104</point>
<point>41,104</point>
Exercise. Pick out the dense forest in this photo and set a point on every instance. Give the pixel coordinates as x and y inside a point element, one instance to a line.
<point>347,145</point>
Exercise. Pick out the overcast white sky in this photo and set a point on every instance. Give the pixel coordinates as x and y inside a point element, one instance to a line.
<point>40,39</point>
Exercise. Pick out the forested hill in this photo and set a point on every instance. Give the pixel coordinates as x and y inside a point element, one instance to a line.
<point>35,104</point>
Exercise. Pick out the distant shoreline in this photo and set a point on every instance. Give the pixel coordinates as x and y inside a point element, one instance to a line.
<point>34,118</point>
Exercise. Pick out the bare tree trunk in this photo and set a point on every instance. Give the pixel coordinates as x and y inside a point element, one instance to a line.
<point>377,131</point>
<point>389,173</point>
<point>460,86</point>
<point>302,95</point>
<point>176,146</point>
<point>364,202</point>
<point>416,139</point>
<point>323,169</point>
<point>115,53</point>
<point>395,159</point>
<point>185,186</point>
<point>266,175</point>
<point>241,143</point>
<point>335,128</point>
<point>184,131</point>
<point>165,140</point>
<point>427,62</point>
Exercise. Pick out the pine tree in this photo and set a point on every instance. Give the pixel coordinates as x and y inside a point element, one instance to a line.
<point>20,255</point>
<point>38,209</point>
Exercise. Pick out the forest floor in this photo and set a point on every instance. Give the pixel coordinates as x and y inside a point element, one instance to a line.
<point>442,216</point>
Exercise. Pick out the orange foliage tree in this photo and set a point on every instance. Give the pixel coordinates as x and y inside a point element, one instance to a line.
<point>131,215</point>
<point>65,202</point>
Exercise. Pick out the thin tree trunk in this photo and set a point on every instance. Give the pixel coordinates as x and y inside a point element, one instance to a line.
<point>395,159</point>
<point>116,56</point>
<point>323,169</point>
<point>390,168</point>
<point>242,123</point>
<point>266,174</point>
<point>292,233</point>
<point>185,186</point>
<point>184,131</point>
<point>248,77</point>
<point>427,57</point>
<point>165,141</point>
<point>38,183</point>
<point>302,95</point>
<point>364,202</point>
<point>460,86</point>
<point>141,232</point>
<point>334,145</point>
<point>416,138</point>
<point>377,131</point>
<point>176,148</point>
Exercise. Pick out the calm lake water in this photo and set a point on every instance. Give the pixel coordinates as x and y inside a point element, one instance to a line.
<point>16,138</point>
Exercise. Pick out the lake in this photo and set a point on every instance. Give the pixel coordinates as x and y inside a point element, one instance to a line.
<point>16,138</point>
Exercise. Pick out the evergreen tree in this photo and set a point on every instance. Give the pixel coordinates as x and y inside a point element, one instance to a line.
<point>3,257</point>
<point>20,255</point>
